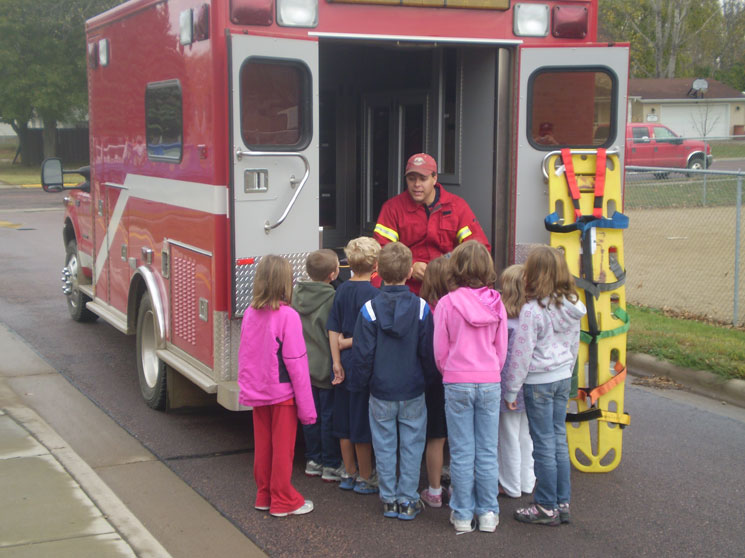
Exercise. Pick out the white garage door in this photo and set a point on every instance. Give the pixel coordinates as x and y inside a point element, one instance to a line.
<point>696,120</point>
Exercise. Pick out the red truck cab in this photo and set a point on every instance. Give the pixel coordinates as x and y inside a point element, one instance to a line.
<point>655,145</point>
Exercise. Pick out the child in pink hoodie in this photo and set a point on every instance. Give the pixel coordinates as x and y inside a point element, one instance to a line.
<point>470,344</point>
<point>273,378</point>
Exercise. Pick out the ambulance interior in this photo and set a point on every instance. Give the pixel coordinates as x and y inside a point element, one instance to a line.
<point>382,102</point>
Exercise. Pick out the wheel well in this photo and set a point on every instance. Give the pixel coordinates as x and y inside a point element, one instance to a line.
<point>695,155</point>
<point>136,290</point>
<point>68,232</point>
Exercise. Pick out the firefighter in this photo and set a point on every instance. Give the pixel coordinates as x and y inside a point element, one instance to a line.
<point>427,218</point>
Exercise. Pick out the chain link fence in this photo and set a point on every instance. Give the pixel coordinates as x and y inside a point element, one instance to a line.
<point>684,249</point>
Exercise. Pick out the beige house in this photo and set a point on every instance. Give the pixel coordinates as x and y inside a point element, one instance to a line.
<point>690,107</point>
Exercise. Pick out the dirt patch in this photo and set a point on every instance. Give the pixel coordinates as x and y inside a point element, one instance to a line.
<point>683,259</point>
<point>658,382</point>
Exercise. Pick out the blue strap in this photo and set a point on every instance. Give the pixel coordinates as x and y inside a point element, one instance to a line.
<point>586,222</point>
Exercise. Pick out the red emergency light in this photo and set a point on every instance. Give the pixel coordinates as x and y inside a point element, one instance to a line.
<point>569,22</point>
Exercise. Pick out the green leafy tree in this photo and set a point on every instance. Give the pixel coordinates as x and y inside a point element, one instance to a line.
<point>43,62</point>
<point>668,37</point>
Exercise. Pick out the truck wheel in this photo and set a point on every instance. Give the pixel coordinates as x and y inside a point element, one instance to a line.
<point>76,300</point>
<point>696,163</point>
<point>150,369</point>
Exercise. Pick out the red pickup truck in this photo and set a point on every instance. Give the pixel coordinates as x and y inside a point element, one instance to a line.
<point>655,145</point>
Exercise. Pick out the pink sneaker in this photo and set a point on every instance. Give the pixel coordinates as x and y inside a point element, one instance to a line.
<point>432,500</point>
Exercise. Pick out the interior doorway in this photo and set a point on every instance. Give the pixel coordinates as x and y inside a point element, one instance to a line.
<point>395,127</point>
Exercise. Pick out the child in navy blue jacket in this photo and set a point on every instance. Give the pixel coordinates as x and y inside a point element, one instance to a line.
<point>393,358</point>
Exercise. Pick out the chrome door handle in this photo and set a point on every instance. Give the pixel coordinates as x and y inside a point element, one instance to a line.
<point>239,154</point>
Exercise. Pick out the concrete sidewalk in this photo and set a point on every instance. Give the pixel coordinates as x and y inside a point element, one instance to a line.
<point>75,484</point>
<point>46,511</point>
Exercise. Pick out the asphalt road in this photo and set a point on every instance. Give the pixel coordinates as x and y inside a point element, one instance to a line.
<point>678,491</point>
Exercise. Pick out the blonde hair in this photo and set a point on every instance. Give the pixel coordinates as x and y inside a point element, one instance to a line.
<point>471,266</point>
<point>321,263</point>
<point>362,254</point>
<point>435,284</point>
<point>512,282</point>
<point>547,276</point>
<point>394,262</point>
<point>272,283</point>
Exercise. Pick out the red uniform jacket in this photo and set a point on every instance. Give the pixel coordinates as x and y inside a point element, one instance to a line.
<point>450,222</point>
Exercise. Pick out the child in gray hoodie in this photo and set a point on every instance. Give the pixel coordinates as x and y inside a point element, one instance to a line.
<point>542,358</point>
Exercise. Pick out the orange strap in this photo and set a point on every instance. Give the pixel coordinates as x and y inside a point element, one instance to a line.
<point>594,394</point>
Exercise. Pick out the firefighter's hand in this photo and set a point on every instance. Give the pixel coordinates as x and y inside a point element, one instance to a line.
<point>338,374</point>
<point>418,270</point>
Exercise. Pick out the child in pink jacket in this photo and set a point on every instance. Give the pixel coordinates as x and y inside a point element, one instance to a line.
<point>470,344</point>
<point>274,379</point>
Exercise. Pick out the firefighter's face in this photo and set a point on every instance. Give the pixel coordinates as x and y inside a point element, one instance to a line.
<point>421,187</point>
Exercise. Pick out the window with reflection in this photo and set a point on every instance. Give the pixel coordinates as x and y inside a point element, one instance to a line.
<point>164,121</point>
<point>275,104</point>
<point>572,107</point>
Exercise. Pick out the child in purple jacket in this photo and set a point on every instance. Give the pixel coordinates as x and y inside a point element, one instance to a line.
<point>273,378</point>
<point>470,343</point>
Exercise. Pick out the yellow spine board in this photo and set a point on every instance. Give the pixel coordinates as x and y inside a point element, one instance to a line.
<point>594,446</point>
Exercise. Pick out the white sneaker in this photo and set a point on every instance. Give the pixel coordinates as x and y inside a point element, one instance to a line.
<point>488,522</point>
<point>307,507</point>
<point>313,469</point>
<point>331,474</point>
<point>462,525</point>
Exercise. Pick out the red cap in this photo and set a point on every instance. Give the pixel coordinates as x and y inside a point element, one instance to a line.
<point>421,163</point>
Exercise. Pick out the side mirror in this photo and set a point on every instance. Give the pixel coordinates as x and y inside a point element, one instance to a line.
<point>51,175</point>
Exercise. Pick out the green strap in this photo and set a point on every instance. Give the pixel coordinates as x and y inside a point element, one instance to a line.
<point>619,313</point>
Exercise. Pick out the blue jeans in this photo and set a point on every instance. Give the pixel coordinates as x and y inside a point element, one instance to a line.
<point>546,405</point>
<point>320,444</point>
<point>472,412</point>
<point>398,424</point>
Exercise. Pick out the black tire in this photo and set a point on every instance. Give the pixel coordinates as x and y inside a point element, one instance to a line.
<point>76,300</point>
<point>151,371</point>
<point>696,163</point>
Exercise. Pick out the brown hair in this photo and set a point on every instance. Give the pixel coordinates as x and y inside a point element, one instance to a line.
<point>512,282</point>
<point>471,266</point>
<point>547,276</point>
<point>321,263</point>
<point>435,283</point>
<point>272,283</point>
<point>362,253</point>
<point>394,262</point>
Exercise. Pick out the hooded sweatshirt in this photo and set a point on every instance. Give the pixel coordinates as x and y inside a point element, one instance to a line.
<point>545,346</point>
<point>272,361</point>
<point>391,350</point>
<point>470,341</point>
<point>313,301</point>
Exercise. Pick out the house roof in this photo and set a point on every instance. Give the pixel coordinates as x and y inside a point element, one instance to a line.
<point>679,88</point>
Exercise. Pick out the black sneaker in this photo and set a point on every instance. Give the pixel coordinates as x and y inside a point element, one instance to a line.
<point>390,509</point>
<point>409,510</point>
<point>564,514</point>
<point>538,516</point>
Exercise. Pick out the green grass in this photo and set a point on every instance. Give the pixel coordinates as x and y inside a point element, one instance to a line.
<point>728,149</point>
<point>23,175</point>
<point>687,343</point>
<point>678,191</point>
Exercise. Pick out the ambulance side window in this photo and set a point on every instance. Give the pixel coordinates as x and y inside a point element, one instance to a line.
<point>164,121</point>
<point>275,104</point>
<point>572,107</point>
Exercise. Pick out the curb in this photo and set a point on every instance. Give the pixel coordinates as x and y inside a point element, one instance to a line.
<point>698,381</point>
